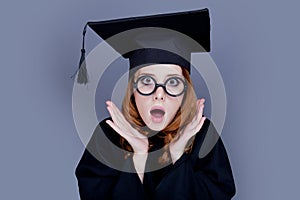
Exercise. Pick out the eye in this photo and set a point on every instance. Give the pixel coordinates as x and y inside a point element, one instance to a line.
<point>173,82</point>
<point>147,80</point>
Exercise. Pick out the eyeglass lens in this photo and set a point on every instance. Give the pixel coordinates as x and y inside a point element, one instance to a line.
<point>147,85</point>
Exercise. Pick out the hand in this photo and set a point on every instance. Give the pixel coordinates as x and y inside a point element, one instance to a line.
<point>177,146</point>
<point>138,141</point>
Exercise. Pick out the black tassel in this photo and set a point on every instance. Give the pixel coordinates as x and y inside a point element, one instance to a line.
<point>82,75</point>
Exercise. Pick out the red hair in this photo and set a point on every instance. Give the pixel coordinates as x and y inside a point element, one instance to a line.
<point>183,116</point>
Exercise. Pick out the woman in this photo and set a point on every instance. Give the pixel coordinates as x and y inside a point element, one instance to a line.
<point>161,130</point>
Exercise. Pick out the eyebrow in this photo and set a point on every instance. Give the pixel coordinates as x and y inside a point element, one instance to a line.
<point>169,75</point>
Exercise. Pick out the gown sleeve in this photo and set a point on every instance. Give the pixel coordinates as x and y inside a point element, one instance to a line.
<point>204,174</point>
<point>98,172</point>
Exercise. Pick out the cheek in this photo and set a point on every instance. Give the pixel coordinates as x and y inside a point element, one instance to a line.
<point>141,104</point>
<point>138,100</point>
<point>176,102</point>
<point>174,105</point>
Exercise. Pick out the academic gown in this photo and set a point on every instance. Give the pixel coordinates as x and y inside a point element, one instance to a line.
<point>204,173</point>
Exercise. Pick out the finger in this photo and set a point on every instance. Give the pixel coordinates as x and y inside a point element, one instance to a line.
<point>195,116</point>
<point>118,130</point>
<point>108,102</point>
<point>202,100</point>
<point>113,126</point>
<point>199,102</point>
<point>199,126</point>
<point>115,108</point>
<point>124,133</point>
<point>121,124</point>
<point>200,111</point>
<point>116,114</point>
<point>198,116</point>
<point>113,115</point>
<point>119,115</point>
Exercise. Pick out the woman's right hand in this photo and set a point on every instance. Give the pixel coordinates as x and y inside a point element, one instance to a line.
<point>177,146</point>
<point>138,142</point>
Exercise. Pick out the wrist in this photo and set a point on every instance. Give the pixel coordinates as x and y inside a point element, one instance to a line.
<point>177,149</point>
<point>140,155</point>
<point>176,154</point>
<point>139,160</point>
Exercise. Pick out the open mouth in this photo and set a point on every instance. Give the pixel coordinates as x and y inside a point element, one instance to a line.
<point>157,114</point>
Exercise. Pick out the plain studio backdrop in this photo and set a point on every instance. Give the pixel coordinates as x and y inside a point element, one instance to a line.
<point>255,45</point>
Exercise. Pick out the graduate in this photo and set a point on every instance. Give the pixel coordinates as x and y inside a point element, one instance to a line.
<point>151,147</point>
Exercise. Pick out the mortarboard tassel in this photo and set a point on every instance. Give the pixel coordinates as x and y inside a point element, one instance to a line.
<point>82,77</point>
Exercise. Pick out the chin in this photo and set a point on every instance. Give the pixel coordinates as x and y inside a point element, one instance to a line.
<point>157,129</point>
<point>157,126</point>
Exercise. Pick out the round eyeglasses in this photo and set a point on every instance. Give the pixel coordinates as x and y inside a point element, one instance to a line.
<point>147,85</point>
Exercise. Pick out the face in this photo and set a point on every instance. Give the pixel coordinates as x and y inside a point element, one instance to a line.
<point>159,108</point>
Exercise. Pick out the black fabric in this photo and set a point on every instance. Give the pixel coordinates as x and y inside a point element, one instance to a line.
<point>171,32</point>
<point>141,57</point>
<point>155,39</point>
<point>189,178</point>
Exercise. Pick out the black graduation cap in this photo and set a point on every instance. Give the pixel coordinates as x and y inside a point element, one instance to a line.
<point>156,39</point>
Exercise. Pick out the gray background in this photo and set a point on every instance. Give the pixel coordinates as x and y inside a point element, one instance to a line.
<point>254,43</point>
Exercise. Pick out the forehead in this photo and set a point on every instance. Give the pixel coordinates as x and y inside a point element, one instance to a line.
<point>160,70</point>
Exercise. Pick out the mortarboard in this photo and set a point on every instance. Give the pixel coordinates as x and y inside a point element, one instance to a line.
<point>156,39</point>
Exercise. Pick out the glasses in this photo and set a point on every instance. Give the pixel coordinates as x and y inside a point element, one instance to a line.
<point>173,86</point>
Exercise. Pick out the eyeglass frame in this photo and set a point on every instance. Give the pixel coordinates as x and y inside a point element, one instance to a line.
<point>157,85</point>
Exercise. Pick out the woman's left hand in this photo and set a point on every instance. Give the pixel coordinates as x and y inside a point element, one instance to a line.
<point>177,146</point>
<point>138,141</point>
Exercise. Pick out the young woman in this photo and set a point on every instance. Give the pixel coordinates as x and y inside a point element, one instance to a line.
<point>160,132</point>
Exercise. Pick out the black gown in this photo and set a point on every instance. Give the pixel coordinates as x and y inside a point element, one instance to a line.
<point>190,177</point>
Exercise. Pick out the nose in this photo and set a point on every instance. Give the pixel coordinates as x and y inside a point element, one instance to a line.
<point>159,94</point>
